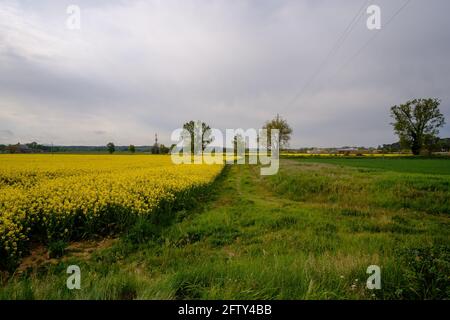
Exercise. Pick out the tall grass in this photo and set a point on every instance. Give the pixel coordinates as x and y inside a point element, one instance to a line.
<point>309,233</point>
<point>347,186</point>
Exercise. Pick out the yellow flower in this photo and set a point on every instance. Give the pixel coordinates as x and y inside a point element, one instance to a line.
<point>50,191</point>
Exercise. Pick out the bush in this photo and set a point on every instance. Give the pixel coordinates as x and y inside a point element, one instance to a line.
<point>57,249</point>
<point>142,231</point>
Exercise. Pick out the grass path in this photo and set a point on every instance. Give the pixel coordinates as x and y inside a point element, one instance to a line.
<point>246,242</point>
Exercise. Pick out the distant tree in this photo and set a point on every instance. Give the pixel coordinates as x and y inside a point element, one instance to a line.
<point>445,144</point>
<point>205,133</point>
<point>395,147</point>
<point>163,149</point>
<point>432,144</point>
<point>417,120</point>
<point>111,147</point>
<point>284,129</point>
<point>155,149</point>
<point>238,142</point>
<point>36,147</point>
<point>12,148</point>
<point>33,145</point>
<point>132,148</point>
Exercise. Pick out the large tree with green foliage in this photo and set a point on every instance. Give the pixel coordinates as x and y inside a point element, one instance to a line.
<point>198,130</point>
<point>416,122</point>
<point>285,131</point>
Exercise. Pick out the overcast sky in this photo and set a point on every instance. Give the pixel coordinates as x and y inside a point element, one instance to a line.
<point>140,67</point>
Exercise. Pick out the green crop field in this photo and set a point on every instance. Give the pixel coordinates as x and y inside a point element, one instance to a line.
<point>411,165</point>
<point>309,232</point>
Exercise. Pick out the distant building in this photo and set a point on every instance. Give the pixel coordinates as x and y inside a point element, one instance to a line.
<point>348,150</point>
<point>317,151</point>
<point>19,148</point>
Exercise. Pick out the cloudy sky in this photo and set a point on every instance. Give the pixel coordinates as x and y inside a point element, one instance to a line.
<point>140,67</point>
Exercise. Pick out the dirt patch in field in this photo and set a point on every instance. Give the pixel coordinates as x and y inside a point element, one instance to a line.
<point>39,255</point>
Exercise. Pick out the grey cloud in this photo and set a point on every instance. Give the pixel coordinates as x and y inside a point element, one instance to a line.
<point>6,133</point>
<point>140,67</point>
<point>99,132</point>
<point>6,136</point>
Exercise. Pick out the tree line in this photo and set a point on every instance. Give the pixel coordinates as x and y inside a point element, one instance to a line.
<point>416,123</point>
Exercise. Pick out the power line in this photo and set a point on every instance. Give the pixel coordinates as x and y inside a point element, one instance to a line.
<point>334,49</point>
<point>366,44</point>
<point>347,31</point>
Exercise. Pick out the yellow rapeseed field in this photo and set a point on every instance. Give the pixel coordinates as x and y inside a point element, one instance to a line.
<point>52,197</point>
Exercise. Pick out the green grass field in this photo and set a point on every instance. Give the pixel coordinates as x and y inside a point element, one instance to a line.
<point>309,232</point>
<point>411,165</point>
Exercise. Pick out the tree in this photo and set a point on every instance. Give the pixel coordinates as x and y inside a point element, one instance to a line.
<point>238,143</point>
<point>205,133</point>
<point>445,144</point>
<point>111,147</point>
<point>12,148</point>
<point>285,130</point>
<point>33,145</point>
<point>163,149</point>
<point>132,148</point>
<point>155,149</point>
<point>432,144</point>
<point>416,121</point>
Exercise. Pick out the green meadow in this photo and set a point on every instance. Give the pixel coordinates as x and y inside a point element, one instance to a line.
<point>406,165</point>
<point>309,232</point>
